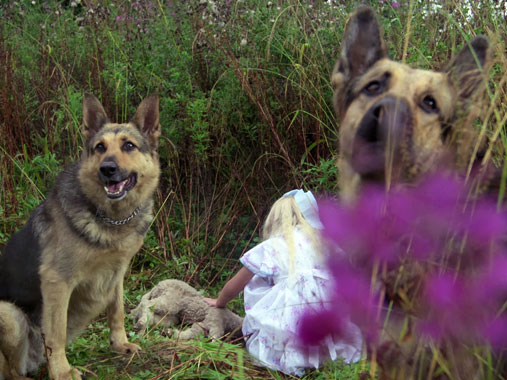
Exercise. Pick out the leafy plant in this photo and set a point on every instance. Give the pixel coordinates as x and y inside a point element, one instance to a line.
<point>246,114</point>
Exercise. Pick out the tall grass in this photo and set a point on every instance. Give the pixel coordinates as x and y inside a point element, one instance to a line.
<point>245,110</point>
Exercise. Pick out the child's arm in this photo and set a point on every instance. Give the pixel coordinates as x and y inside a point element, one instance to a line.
<point>231,289</point>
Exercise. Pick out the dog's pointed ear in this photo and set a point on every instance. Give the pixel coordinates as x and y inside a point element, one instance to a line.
<point>466,70</point>
<point>94,116</point>
<point>362,46</point>
<point>147,118</point>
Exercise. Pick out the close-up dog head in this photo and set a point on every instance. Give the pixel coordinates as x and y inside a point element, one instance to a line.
<point>396,122</point>
<point>120,161</point>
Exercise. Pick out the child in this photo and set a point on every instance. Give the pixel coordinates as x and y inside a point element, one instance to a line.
<point>282,277</point>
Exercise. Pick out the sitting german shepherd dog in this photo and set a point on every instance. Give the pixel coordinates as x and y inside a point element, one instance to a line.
<point>396,122</point>
<point>67,264</point>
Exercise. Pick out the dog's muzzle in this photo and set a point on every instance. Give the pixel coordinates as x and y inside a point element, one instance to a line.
<point>116,182</point>
<point>382,141</point>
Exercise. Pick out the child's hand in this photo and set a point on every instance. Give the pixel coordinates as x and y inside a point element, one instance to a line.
<point>211,301</point>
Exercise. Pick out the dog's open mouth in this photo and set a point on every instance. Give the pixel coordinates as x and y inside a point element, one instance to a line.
<point>368,159</point>
<point>118,190</point>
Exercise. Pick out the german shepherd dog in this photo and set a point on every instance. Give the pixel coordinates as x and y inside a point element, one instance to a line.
<point>67,264</point>
<point>398,123</point>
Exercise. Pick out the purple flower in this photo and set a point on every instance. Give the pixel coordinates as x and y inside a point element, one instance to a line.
<point>492,281</point>
<point>442,292</point>
<point>365,228</point>
<point>315,326</point>
<point>354,298</point>
<point>464,308</point>
<point>483,225</point>
<point>447,242</point>
<point>496,333</point>
<point>352,301</point>
<point>395,4</point>
<point>444,301</point>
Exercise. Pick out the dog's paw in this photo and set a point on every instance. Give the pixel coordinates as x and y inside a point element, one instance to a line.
<point>126,348</point>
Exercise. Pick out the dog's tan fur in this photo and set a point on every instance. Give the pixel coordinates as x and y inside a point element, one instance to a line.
<point>414,121</point>
<point>428,135</point>
<point>14,328</point>
<point>83,259</point>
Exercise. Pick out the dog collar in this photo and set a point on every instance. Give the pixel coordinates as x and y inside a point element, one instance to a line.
<point>120,222</point>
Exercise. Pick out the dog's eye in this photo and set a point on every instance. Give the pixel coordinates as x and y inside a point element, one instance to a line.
<point>373,88</point>
<point>429,104</point>
<point>100,148</point>
<point>128,146</point>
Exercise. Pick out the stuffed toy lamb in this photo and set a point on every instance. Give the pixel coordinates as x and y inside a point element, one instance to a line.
<point>173,302</point>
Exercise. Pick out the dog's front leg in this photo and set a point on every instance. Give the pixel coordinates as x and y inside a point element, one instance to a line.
<point>116,320</point>
<point>55,297</point>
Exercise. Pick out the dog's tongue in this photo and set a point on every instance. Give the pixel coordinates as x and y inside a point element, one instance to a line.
<point>116,187</point>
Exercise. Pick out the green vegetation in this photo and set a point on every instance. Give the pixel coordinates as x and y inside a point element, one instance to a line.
<point>246,112</point>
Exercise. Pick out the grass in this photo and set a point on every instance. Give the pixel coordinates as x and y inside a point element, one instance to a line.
<point>246,112</point>
<point>196,359</point>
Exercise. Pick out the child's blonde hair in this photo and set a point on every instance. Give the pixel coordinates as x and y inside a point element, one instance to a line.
<point>284,216</point>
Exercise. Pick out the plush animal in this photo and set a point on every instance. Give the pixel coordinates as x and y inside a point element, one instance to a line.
<point>174,302</point>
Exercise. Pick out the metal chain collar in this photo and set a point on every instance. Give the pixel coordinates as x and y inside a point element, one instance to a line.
<point>119,222</point>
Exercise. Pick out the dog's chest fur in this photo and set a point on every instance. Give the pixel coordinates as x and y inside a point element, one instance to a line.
<point>77,248</point>
<point>92,259</point>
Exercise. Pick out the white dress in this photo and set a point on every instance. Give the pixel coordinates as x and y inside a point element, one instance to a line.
<point>275,300</point>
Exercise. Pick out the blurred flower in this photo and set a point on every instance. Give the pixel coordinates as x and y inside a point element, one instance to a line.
<point>448,308</point>
<point>483,225</point>
<point>419,222</point>
<point>464,308</point>
<point>452,240</point>
<point>495,333</point>
<point>493,279</point>
<point>354,297</point>
<point>369,215</point>
<point>314,326</point>
<point>352,301</point>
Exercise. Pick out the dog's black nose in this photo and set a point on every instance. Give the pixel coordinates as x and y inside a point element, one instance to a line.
<point>108,168</point>
<point>382,135</point>
<point>386,121</point>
